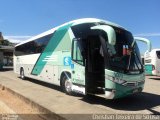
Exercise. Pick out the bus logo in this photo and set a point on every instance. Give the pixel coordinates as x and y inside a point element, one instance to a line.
<point>67,61</point>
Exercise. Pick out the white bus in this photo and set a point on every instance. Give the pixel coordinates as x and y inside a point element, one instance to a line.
<point>87,56</point>
<point>152,62</point>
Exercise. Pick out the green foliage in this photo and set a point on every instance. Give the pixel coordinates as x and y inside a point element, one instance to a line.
<point>5,43</point>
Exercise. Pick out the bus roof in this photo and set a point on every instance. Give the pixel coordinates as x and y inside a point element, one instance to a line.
<point>151,54</point>
<point>74,22</point>
<point>154,50</point>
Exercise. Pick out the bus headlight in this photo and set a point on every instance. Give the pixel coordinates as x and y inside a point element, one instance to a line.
<point>114,79</point>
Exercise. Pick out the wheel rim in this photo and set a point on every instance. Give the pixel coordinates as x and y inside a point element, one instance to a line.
<point>22,74</point>
<point>68,86</point>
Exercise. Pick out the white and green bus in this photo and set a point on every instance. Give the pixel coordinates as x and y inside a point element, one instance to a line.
<point>152,62</point>
<point>87,56</point>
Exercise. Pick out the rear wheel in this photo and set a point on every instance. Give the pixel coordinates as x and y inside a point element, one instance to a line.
<point>22,76</point>
<point>66,85</point>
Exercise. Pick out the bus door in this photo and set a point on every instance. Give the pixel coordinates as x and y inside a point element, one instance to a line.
<point>78,68</point>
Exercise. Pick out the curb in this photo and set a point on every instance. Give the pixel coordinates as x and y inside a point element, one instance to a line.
<point>45,113</point>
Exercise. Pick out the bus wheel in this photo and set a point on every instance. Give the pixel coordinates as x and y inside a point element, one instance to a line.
<point>66,85</point>
<point>22,74</point>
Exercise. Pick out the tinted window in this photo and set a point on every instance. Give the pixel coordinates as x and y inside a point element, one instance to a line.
<point>76,53</point>
<point>158,54</point>
<point>82,30</point>
<point>33,47</point>
<point>125,59</point>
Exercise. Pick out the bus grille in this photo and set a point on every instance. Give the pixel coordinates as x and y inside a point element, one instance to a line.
<point>133,84</point>
<point>130,84</point>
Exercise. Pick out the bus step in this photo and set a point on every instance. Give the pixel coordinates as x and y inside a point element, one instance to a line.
<point>100,84</point>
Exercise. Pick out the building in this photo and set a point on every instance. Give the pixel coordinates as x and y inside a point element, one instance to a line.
<point>6,52</point>
<point>6,56</point>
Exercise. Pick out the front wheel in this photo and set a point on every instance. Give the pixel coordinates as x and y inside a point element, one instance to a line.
<point>66,85</point>
<point>22,76</point>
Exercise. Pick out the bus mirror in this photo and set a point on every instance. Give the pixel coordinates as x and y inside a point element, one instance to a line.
<point>109,31</point>
<point>148,42</point>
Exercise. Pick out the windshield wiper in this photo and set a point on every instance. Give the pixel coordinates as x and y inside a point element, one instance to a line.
<point>141,70</point>
<point>129,62</point>
<point>135,54</point>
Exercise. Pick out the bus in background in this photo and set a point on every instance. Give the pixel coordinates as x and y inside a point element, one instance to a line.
<point>86,56</point>
<point>152,62</point>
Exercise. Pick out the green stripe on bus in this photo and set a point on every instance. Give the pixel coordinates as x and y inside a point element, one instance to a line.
<point>148,69</point>
<point>51,46</point>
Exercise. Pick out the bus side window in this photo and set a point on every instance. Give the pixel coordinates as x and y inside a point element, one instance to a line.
<point>76,53</point>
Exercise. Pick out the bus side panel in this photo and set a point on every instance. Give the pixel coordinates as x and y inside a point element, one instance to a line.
<point>49,74</point>
<point>158,67</point>
<point>15,65</point>
<point>60,60</point>
<point>55,66</point>
<point>154,68</point>
<point>26,62</point>
<point>152,63</point>
<point>56,61</point>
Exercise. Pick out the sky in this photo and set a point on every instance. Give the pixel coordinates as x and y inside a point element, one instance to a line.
<point>22,19</point>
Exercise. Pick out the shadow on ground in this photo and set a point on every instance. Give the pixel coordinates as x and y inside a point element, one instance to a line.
<point>141,101</point>
<point>4,69</point>
<point>155,78</point>
<point>55,87</point>
<point>136,102</point>
<point>52,86</point>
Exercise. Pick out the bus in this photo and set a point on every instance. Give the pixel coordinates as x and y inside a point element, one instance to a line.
<point>152,62</point>
<point>1,60</point>
<point>86,56</point>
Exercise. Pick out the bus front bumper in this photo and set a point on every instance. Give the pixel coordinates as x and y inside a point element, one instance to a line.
<point>115,90</point>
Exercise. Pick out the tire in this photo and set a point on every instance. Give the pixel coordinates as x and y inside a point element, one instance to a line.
<point>22,76</point>
<point>66,85</point>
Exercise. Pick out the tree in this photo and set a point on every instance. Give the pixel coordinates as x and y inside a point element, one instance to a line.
<point>1,36</point>
<point>4,42</point>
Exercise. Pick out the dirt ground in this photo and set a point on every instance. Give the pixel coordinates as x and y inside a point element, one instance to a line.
<point>13,107</point>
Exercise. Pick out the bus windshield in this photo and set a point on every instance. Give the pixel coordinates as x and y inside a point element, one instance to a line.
<point>122,56</point>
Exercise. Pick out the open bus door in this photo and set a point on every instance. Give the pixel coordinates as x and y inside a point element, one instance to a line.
<point>78,68</point>
<point>87,69</point>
